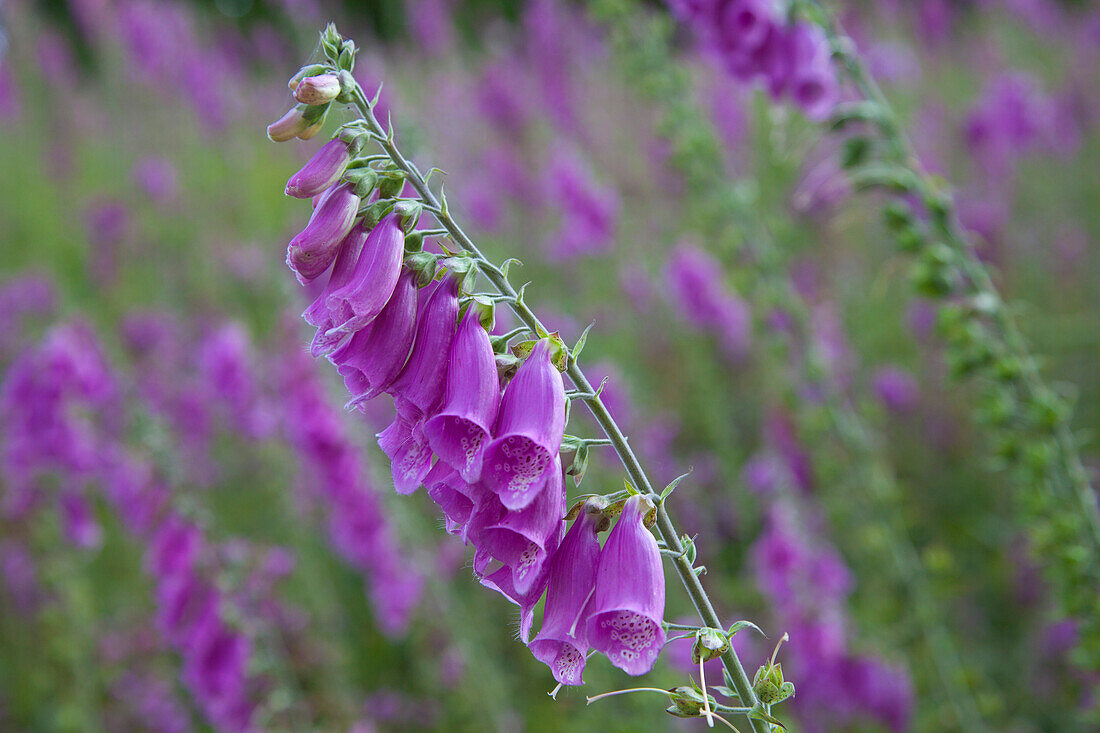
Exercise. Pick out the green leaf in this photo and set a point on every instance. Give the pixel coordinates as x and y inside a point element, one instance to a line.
<point>675,482</point>
<point>579,346</point>
<point>759,713</point>
<point>742,625</point>
<point>725,691</point>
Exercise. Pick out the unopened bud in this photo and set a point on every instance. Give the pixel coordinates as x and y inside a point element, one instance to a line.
<point>289,126</point>
<point>308,70</point>
<point>409,213</point>
<point>318,89</point>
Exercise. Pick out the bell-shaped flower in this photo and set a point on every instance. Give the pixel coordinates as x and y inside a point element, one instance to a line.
<point>408,451</point>
<point>523,540</point>
<point>456,497</point>
<point>628,605</point>
<point>371,359</point>
<point>356,302</point>
<point>289,125</point>
<point>321,171</point>
<point>317,314</point>
<point>418,389</point>
<point>528,432</point>
<point>562,643</point>
<point>312,251</point>
<point>460,431</point>
<point>501,582</point>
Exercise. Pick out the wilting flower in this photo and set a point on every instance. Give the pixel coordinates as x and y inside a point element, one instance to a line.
<point>311,252</point>
<point>371,359</point>
<point>529,430</point>
<point>628,604</point>
<point>562,643</point>
<point>459,433</point>
<point>322,171</point>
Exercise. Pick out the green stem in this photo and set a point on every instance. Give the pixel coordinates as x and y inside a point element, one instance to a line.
<point>666,530</point>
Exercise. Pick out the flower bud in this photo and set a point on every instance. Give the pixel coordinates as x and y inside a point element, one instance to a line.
<point>302,73</point>
<point>320,89</point>
<point>322,171</point>
<point>289,125</point>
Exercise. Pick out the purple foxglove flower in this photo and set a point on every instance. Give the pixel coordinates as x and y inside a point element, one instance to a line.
<point>174,548</point>
<point>529,431</point>
<point>456,497</point>
<point>628,605</point>
<point>501,582</point>
<point>288,126</point>
<point>183,601</point>
<point>460,432</point>
<point>743,25</point>
<point>562,642</point>
<point>318,314</point>
<point>81,527</point>
<point>896,388</point>
<point>321,172</point>
<point>362,297</point>
<point>409,454</point>
<point>319,89</point>
<point>371,359</point>
<point>419,388</point>
<point>812,83</point>
<point>523,540</point>
<point>311,252</point>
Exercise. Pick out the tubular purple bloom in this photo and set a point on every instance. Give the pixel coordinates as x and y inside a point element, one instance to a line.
<point>628,604</point>
<point>371,359</point>
<point>409,454</point>
<point>812,83</point>
<point>356,302</point>
<point>317,314</point>
<point>319,89</point>
<point>456,497</point>
<point>529,430</point>
<point>523,540</point>
<point>743,25</point>
<point>322,171</point>
<point>459,433</point>
<point>419,388</point>
<point>311,252</point>
<point>562,642</point>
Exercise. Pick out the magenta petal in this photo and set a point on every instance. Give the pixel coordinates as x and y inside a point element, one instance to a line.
<point>370,284</point>
<point>628,605</point>
<point>501,581</point>
<point>411,459</point>
<point>455,497</point>
<point>460,432</point>
<point>317,314</point>
<point>563,640</point>
<point>371,359</point>
<point>420,384</point>
<point>323,170</point>
<point>311,252</point>
<point>523,540</point>
<point>529,430</point>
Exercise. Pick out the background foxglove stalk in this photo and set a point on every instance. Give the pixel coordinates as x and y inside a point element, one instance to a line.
<point>459,433</point>
<point>523,540</point>
<point>371,359</point>
<point>628,606</point>
<point>319,89</point>
<point>419,388</point>
<point>289,126</point>
<point>314,249</point>
<point>529,430</point>
<point>370,284</point>
<point>562,642</point>
<point>320,172</point>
